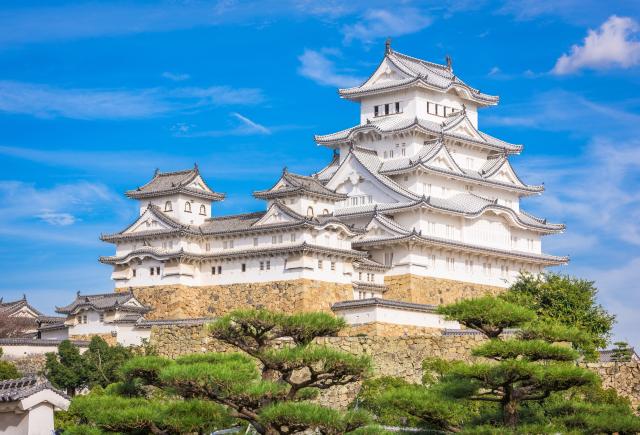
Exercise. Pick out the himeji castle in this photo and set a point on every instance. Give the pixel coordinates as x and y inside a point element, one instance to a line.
<point>417,206</point>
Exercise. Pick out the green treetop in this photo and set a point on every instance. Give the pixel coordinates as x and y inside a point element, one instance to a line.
<point>268,385</point>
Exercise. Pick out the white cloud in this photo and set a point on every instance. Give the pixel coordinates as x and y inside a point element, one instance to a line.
<point>614,44</point>
<point>240,126</point>
<point>380,23</point>
<point>559,110</point>
<point>25,208</point>
<point>77,103</point>
<point>251,126</point>
<point>317,66</point>
<point>60,219</point>
<point>176,77</point>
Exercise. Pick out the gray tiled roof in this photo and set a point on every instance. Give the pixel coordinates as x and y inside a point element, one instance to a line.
<point>38,342</point>
<point>228,225</point>
<point>606,355</point>
<point>16,389</point>
<point>419,71</point>
<point>370,302</point>
<point>102,302</point>
<point>50,319</point>
<point>142,323</point>
<point>468,205</point>
<point>396,123</point>
<point>430,150</point>
<point>8,308</point>
<point>369,264</point>
<point>167,183</point>
<point>449,244</point>
<point>364,285</point>
<point>161,254</point>
<point>296,184</point>
<point>327,172</point>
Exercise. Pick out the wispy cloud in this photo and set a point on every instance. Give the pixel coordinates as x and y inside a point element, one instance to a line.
<point>176,77</point>
<point>317,66</point>
<point>77,103</point>
<point>56,218</point>
<point>240,125</point>
<point>27,209</point>
<point>560,110</point>
<point>614,45</point>
<point>380,23</point>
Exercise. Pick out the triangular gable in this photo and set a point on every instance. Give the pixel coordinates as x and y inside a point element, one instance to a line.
<point>354,175</point>
<point>381,226</point>
<point>464,127</point>
<point>387,71</point>
<point>442,159</point>
<point>278,214</point>
<point>199,184</point>
<point>504,173</point>
<point>150,220</point>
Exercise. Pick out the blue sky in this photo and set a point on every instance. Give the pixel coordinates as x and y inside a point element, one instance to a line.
<point>94,96</point>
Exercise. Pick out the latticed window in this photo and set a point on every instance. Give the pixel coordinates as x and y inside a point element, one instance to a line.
<point>187,207</point>
<point>203,210</point>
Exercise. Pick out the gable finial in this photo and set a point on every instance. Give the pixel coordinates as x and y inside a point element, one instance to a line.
<point>284,170</point>
<point>449,63</point>
<point>156,172</point>
<point>387,46</point>
<point>195,167</point>
<point>24,296</point>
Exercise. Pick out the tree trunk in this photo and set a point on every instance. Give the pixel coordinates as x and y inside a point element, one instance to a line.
<point>510,413</point>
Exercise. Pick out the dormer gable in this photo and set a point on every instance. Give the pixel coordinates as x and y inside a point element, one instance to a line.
<point>279,214</point>
<point>441,158</point>
<point>383,226</point>
<point>502,172</point>
<point>152,219</point>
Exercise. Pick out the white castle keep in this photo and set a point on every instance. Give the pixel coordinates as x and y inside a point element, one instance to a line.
<point>414,188</point>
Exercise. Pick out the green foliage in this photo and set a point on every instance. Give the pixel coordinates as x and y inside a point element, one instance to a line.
<point>567,300</point>
<point>99,365</point>
<point>67,370</point>
<point>104,361</point>
<point>530,350</point>
<point>118,414</point>
<point>267,386</point>
<point>8,371</point>
<point>489,315</point>
<point>299,416</point>
<point>369,398</point>
<point>621,352</point>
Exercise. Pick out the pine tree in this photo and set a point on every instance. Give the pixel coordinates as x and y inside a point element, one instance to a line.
<point>621,352</point>
<point>527,366</point>
<point>267,385</point>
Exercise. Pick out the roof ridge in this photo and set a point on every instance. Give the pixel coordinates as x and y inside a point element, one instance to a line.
<point>231,216</point>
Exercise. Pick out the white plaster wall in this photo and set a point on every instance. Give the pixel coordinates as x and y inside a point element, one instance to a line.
<point>178,208</point>
<point>130,335</point>
<point>12,423</point>
<point>396,316</point>
<point>41,419</point>
<point>93,325</point>
<point>56,334</point>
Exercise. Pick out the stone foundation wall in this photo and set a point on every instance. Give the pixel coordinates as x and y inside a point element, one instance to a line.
<point>391,356</point>
<point>381,329</point>
<point>28,364</point>
<point>110,339</point>
<point>435,291</point>
<point>179,301</point>
<point>622,377</point>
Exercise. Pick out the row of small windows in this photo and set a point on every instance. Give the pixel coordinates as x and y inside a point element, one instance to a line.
<point>399,151</point>
<point>321,265</point>
<point>370,277</point>
<point>386,109</point>
<point>168,206</point>
<point>311,213</point>
<point>440,109</point>
<point>229,244</point>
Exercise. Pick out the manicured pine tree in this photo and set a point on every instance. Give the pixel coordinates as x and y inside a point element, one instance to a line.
<point>268,385</point>
<point>621,352</point>
<point>527,366</point>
